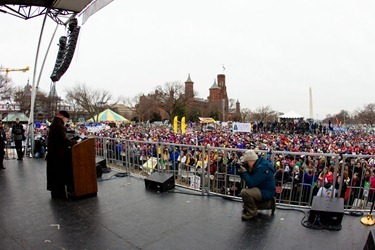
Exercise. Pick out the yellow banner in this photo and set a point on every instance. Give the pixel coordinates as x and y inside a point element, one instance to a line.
<point>175,124</point>
<point>183,125</point>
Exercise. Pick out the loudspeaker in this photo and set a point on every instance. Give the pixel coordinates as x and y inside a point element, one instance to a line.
<point>326,211</point>
<point>60,58</point>
<point>62,64</point>
<point>370,241</point>
<point>100,163</point>
<point>160,182</point>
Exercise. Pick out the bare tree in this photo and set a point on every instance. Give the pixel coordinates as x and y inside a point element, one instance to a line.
<point>22,98</point>
<point>344,117</point>
<point>6,88</point>
<point>367,115</point>
<point>133,104</point>
<point>245,115</point>
<point>195,113</point>
<point>171,99</point>
<point>89,100</point>
<point>76,111</point>
<point>265,114</point>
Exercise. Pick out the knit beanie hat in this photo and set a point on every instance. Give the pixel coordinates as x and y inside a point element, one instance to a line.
<point>250,155</point>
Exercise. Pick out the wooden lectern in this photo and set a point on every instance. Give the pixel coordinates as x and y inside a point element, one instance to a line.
<point>84,169</point>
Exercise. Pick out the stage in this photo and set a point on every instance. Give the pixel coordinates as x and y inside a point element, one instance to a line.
<point>124,215</point>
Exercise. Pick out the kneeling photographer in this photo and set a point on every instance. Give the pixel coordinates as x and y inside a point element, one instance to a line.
<point>258,174</point>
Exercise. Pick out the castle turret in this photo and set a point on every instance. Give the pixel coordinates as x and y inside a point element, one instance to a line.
<point>238,111</point>
<point>189,88</point>
<point>214,92</point>
<point>221,80</point>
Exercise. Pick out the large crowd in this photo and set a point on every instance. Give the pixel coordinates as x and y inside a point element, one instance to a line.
<point>355,140</point>
<point>304,172</point>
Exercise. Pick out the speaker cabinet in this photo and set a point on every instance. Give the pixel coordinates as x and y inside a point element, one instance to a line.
<point>160,182</point>
<point>370,241</point>
<point>326,211</point>
<point>100,164</point>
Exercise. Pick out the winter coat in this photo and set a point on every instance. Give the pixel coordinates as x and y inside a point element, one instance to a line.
<point>59,156</point>
<point>18,132</point>
<point>262,177</point>
<point>2,139</point>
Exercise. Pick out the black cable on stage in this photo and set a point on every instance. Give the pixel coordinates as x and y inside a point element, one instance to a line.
<point>187,193</point>
<point>208,195</point>
<point>120,174</point>
<point>107,179</point>
<point>356,213</point>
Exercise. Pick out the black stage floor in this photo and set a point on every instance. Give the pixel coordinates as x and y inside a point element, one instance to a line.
<point>124,215</point>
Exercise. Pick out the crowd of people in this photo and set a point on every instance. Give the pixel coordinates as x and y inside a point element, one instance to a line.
<point>307,174</point>
<point>356,140</point>
<point>300,159</point>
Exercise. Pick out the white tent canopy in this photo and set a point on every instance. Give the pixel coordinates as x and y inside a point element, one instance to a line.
<point>291,115</point>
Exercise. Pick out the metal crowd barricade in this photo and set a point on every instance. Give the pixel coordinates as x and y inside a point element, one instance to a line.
<point>141,158</point>
<point>10,151</point>
<point>360,195</point>
<point>214,172</point>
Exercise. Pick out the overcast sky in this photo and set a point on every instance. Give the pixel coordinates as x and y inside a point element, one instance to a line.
<point>272,50</point>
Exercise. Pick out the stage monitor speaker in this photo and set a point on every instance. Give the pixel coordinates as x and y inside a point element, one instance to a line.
<point>160,182</point>
<point>100,161</point>
<point>370,241</point>
<point>326,211</point>
<point>100,164</point>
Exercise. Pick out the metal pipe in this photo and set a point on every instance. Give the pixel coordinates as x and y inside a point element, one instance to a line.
<point>33,93</point>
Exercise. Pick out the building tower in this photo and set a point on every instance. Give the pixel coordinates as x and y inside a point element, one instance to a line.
<point>189,88</point>
<point>238,111</point>
<point>214,92</point>
<point>53,97</point>
<point>222,86</point>
<point>223,96</point>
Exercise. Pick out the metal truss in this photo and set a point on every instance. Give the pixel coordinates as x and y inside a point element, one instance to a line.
<point>28,12</point>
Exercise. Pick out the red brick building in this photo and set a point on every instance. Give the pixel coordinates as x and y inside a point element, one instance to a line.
<point>217,103</point>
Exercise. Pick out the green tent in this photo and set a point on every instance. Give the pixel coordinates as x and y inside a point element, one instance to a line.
<point>11,117</point>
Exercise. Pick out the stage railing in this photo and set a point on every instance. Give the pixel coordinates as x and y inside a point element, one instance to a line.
<point>212,170</point>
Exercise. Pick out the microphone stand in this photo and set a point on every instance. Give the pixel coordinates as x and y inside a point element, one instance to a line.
<point>368,220</point>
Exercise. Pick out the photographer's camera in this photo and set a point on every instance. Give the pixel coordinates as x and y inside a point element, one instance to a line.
<point>241,165</point>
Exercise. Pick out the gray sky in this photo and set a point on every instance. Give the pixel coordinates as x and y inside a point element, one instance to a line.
<point>272,50</point>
